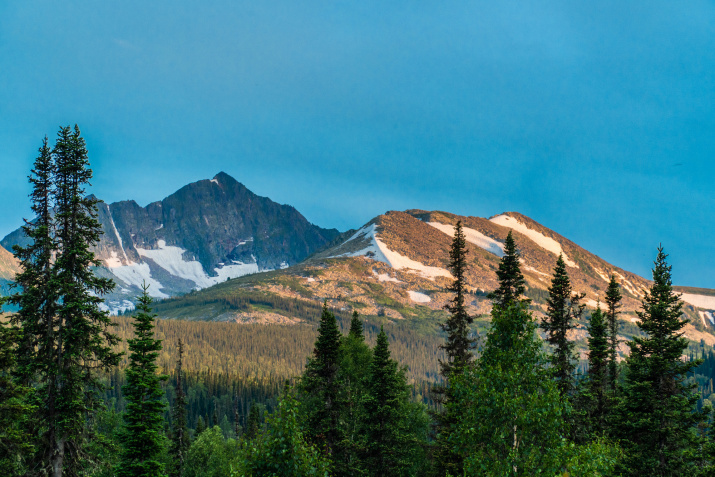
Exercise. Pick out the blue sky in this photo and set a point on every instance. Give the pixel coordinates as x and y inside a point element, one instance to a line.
<point>596,119</point>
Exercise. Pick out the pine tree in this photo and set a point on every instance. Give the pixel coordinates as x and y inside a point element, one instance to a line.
<point>459,356</point>
<point>563,310</point>
<point>656,415</point>
<point>200,425</point>
<point>386,451</point>
<point>511,281</point>
<point>60,298</point>
<point>322,400</point>
<point>16,443</point>
<point>179,431</point>
<point>613,303</point>
<point>143,434</point>
<point>595,395</point>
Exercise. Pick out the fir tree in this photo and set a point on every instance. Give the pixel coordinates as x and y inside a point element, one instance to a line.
<point>563,310</point>
<point>656,415</point>
<point>384,415</point>
<point>595,396</point>
<point>60,298</point>
<point>322,391</point>
<point>179,431</point>
<point>511,281</point>
<point>200,426</point>
<point>143,435</point>
<point>458,347</point>
<point>613,303</point>
<point>458,353</point>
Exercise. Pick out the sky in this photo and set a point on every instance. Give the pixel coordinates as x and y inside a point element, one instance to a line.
<point>596,119</point>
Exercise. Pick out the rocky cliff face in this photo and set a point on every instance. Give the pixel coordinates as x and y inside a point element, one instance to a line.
<point>204,233</point>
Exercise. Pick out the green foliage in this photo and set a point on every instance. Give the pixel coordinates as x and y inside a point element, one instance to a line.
<point>613,304</point>
<point>511,281</point>
<point>511,416</point>
<point>254,422</point>
<point>594,400</point>
<point>563,311</point>
<point>143,439</point>
<point>458,349</point>
<point>211,455</point>
<point>66,336</point>
<point>180,442</point>
<point>388,442</point>
<point>321,391</point>
<point>16,443</point>
<point>655,418</point>
<point>282,450</point>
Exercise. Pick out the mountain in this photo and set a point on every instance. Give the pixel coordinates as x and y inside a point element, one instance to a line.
<point>394,270</point>
<point>203,234</point>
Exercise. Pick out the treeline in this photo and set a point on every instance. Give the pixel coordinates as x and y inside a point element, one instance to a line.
<point>515,405</point>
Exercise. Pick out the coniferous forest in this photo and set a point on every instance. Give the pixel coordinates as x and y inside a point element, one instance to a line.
<point>83,394</point>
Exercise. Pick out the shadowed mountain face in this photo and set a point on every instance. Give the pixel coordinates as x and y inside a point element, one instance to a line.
<point>204,233</point>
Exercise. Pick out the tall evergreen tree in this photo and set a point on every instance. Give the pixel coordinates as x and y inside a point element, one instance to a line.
<point>322,399</point>
<point>613,304</point>
<point>563,310</point>
<point>459,345</point>
<point>512,284</point>
<point>384,415</point>
<point>595,398</point>
<point>59,304</point>
<point>143,435</point>
<point>656,415</point>
<point>458,350</point>
<point>179,429</point>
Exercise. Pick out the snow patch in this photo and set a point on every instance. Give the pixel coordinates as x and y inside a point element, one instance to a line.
<point>603,275</point>
<point>532,269</point>
<point>170,258</point>
<point>473,236</point>
<point>625,283</point>
<point>116,232</point>
<point>138,273</point>
<point>418,297</point>
<point>593,303</point>
<point>379,251</point>
<point>284,265</point>
<point>310,279</point>
<point>701,301</point>
<point>384,277</point>
<point>547,243</point>
<point>116,307</point>
<point>161,226</point>
<point>215,181</point>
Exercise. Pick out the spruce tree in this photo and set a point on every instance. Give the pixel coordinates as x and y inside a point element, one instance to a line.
<point>613,304</point>
<point>656,415</point>
<point>60,298</point>
<point>385,454</point>
<point>458,350</point>
<point>563,310</point>
<point>511,281</point>
<point>179,429</point>
<point>595,398</point>
<point>143,435</point>
<point>322,399</point>
<point>459,345</point>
